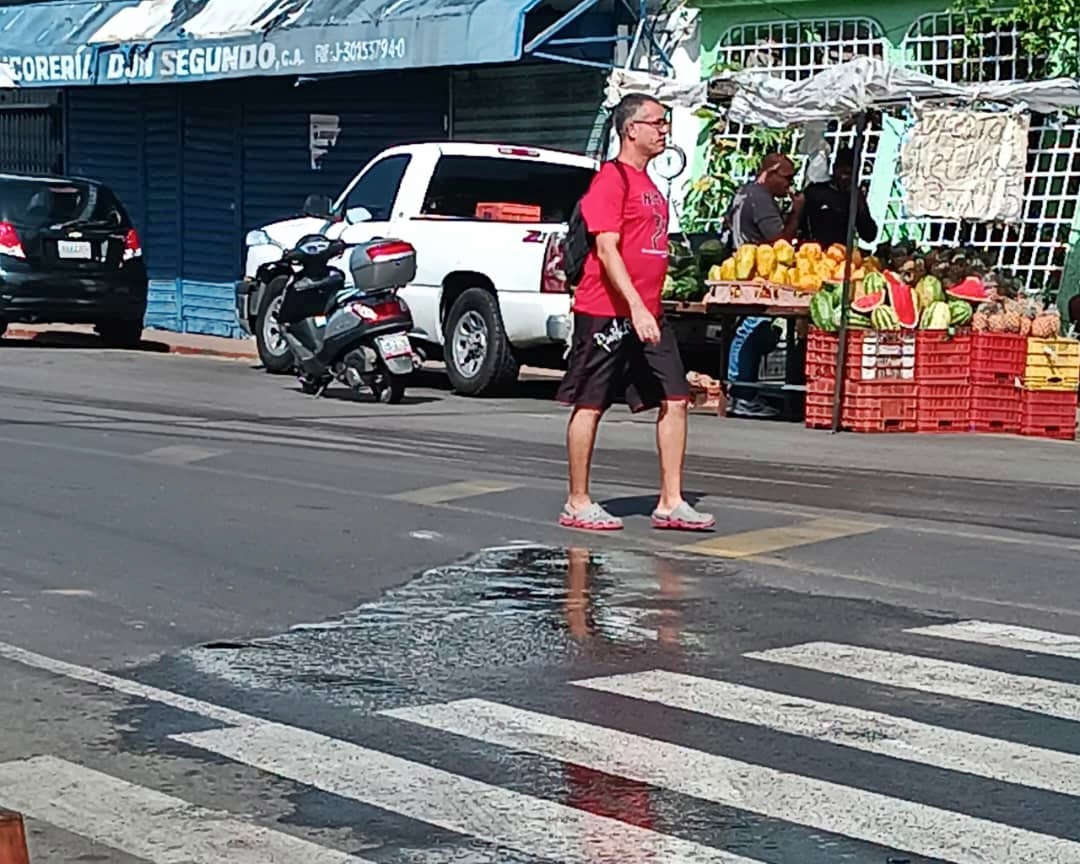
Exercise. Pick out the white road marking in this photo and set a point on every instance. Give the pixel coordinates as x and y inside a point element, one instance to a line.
<point>869,731</point>
<point>941,677</point>
<point>454,491</point>
<point>535,826</point>
<point>1006,636</point>
<point>894,823</point>
<point>181,454</point>
<point>145,823</point>
<point>122,685</point>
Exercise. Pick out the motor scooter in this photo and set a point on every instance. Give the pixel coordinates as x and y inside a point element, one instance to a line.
<point>359,335</point>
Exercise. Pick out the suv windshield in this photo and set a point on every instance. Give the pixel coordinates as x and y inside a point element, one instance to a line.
<point>31,203</point>
<point>461,182</point>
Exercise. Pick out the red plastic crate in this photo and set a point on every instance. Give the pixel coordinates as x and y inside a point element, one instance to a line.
<point>1048,414</point>
<point>821,348</point>
<point>880,407</point>
<point>886,357</point>
<point>819,410</point>
<point>998,358</point>
<point>941,358</point>
<point>995,408</point>
<point>944,408</point>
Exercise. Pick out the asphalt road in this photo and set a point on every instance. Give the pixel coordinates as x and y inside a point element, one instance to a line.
<point>239,624</point>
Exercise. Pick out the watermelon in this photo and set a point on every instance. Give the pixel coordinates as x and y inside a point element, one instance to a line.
<point>821,311</point>
<point>902,300</point>
<point>971,289</point>
<point>928,290</point>
<point>868,302</point>
<point>961,313</point>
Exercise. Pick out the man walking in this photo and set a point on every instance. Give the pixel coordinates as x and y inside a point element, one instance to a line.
<point>620,342</point>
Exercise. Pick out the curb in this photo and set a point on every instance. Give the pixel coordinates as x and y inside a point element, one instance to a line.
<point>171,348</point>
<point>12,839</point>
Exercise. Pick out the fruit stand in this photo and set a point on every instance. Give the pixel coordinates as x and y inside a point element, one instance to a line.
<point>931,343</point>
<point>944,347</point>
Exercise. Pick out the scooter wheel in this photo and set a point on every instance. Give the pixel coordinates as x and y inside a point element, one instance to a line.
<point>389,390</point>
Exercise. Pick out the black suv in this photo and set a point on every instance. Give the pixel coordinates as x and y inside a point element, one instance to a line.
<point>70,255</point>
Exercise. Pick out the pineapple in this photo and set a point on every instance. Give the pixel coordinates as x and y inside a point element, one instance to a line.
<point>1031,311</point>
<point>1047,325</point>
<point>1012,316</point>
<point>997,322</point>
<point>980,321</point>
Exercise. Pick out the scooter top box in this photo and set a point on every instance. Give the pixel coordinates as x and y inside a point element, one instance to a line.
<point>382,263</point>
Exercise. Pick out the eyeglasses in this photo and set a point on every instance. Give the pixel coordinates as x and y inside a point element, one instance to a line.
<point>663,123</point>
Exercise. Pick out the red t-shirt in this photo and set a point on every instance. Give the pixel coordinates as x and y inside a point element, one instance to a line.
<point>633,208</point>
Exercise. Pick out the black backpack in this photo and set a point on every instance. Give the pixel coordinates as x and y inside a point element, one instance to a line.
<point>579,242</point>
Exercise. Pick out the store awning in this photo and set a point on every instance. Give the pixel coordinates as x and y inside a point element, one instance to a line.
<point>50,44</point>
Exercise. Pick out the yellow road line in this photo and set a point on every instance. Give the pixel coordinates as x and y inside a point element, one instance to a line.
<point>453,491</point>
<point>750,543</point>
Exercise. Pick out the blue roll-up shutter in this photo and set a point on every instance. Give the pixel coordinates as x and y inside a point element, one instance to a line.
<point>161,235</point>
<point>211,192</point>
<point>375,112</point>
<point>105,144</point>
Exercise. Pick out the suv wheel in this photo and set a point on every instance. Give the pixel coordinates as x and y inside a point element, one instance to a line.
<point>478,358</point>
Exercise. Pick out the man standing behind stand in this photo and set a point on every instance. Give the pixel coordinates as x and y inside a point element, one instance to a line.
<point>621,343</point>
<point>755,218</point>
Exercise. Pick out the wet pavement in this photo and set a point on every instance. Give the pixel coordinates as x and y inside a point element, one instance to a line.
<point>381,648</point>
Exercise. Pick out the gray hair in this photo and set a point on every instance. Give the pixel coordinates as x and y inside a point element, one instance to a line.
<point>627,110</point>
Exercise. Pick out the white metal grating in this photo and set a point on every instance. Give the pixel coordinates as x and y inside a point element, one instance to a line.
<point>798,49</point>
<point>1034,251</point>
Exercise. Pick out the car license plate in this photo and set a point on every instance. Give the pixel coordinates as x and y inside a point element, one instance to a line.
<point>396,345</point>
<point>73,249</point>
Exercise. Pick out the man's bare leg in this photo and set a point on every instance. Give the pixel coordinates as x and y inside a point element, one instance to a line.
<point>580,441</point>
<point>671,445</point>
<point>672,511</point>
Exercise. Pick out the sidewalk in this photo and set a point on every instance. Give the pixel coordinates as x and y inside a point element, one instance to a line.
<point>154,341</point>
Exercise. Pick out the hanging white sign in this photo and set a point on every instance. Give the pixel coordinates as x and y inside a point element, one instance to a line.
<point>959,164</point>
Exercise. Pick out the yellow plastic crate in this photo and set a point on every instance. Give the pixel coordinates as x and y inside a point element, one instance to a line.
<point>1052,364</point>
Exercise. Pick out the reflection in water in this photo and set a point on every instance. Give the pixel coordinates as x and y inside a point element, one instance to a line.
<point>483,623</point>
<point>599,793</point>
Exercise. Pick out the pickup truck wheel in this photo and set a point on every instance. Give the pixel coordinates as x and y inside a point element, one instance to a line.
<point>479,361</point>
<point>273,350</point>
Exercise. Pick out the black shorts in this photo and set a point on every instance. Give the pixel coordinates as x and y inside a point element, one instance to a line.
<point>607,360</point>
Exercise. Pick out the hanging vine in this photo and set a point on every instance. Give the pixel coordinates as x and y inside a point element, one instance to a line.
<point>729,163</point>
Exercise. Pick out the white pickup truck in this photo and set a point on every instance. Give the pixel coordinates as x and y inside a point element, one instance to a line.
<point>489,294</point>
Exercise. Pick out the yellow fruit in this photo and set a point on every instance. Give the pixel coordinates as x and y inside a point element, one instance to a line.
<point>745,259</point>
<point>812,251</point>
<point>727,271</point>
<point>781,275</point>
<point>766,259</point>
<point>785,252</point>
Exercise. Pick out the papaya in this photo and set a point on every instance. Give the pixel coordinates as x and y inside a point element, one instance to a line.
<point>727,270</point>
<point>745,259</point>
<point>780,275</point>
<point>811,251</point>
<point>836,252</point>
<point>766,260</point>
<point>785,252</point>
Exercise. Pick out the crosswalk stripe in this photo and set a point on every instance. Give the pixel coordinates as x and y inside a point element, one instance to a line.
<point>145,823</point>
<point>890,822</point>
<point>1006,636</point>
<point>454,491</point>
<point>765,540</point>
<point>869,731</point>
<point>941,677</point>
<point>535,826</point>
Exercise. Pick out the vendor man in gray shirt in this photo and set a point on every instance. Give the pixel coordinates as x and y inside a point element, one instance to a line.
<point>755,218</point>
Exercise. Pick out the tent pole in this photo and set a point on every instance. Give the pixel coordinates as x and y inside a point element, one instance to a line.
<point>847,289</point>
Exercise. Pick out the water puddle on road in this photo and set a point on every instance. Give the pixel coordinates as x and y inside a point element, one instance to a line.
<point>495,616</point>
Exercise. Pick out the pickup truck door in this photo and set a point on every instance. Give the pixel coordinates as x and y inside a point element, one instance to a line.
<point>368,204</point>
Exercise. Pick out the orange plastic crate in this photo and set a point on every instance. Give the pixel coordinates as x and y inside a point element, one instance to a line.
<point>941,358</point>
<point>997,358</point>
<point>503,211</point>
<point>995,408</point>
<point>944,408</point>
<point>1048,414</point>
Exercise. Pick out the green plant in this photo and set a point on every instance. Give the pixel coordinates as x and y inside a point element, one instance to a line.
<point>1049,29</point>
<point>729,163</point>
